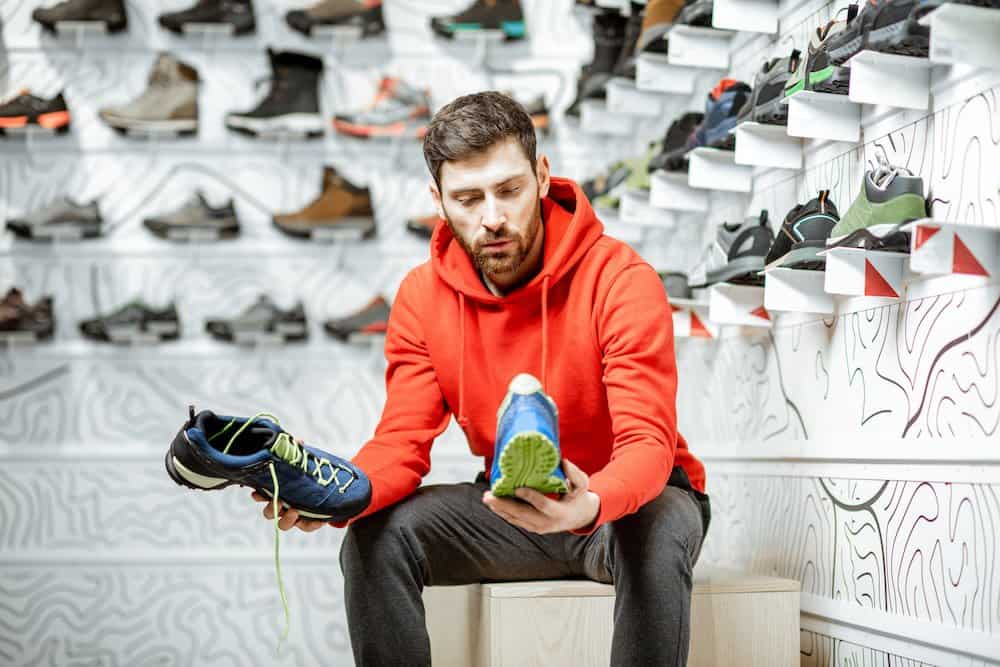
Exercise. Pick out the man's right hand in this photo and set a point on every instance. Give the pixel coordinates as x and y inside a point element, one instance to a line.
<point>288,517</point>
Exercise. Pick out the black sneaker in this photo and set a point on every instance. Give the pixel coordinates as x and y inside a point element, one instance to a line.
<point>109,12</point>
<point>262,321</point>
<point>503,15</point>
<point>609,40</point>
<point>195,220</point>
<point>134,322</point>
<point>675,144</point>
<point>27,109</point>
<point>371,320</point>
<point>235,13</point>
<point>803,235</point>
<point>696,13</point>
<point>20,320</point>
<point>888,26</point>
<point>364,14</point>
<point>625,65</point>
<point>291,105</point>
<point>737,255</point>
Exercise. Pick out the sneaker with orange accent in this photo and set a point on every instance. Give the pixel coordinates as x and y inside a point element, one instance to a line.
<point>27,109</point>
<point>371,320</point>
<point>399,110</point>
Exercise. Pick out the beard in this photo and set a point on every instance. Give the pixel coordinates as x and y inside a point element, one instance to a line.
<point>498,263</point>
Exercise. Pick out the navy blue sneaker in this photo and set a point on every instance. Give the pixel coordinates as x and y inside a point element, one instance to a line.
<point>213,452</point>
<point>527,445</point>
<point>722,114</point>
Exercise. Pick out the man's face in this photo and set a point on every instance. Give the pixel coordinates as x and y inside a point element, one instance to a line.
<point>491,203</point>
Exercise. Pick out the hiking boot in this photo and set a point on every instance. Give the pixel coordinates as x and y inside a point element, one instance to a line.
<point>678,141</point>
<point>238,14</point>
<point>135,321</point>
<point>890,197</point>
<point>722,110</point>
<point>625,64</point>
<point>196,220</point>
<point>814,71</point>
<point>526,452</point>
<point>803,235</point>
<point>168,105</point>
<point>423,226</point>
<point>291,106</point>
<point>262,320</point>
<point>696,13</point>
<point>109,12</point>
<point>19,319</point>
<point>63,219</point>
<point>503,15</point>
<point>364,14</point>
<point>371,320</point>
<point>27,109</point>
<point>766,103</point>
<point>609,40</point>
<point>737,255</point>
<point>399,110</point>
<point>343,211</point>
<point>538,110</point>
<point>604,189</point>
<point>657,20</point>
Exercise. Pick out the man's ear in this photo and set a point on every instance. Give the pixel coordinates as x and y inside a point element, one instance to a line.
<point>436,196</point>
<point>543,176</point>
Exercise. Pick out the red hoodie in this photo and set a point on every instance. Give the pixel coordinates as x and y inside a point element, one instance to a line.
<point>594,325</point>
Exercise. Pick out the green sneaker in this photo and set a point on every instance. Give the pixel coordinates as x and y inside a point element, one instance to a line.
<point>889,198</point>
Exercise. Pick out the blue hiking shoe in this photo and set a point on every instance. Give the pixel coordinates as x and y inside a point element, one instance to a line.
<point>527,445</point>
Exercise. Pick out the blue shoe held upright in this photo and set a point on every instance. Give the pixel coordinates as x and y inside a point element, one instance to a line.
<point>527,445</point>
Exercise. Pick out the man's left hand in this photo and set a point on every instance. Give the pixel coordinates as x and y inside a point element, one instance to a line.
<point>539,514</point>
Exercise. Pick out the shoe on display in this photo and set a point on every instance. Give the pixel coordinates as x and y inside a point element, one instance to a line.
<point>657,20</point>
<point>262,320</point>
<point>22,320</point>
<point>803,235</point>
<point>343,211</point>
<point>110,13</point>
<point>737,255</point>
<point>196,219</point>
<point>364,14</point>
<point>237,14</point>
<point>677,142</point>
<point>371,320</point>
<point>722,110</point>
<point>291,106</point>
<point>526,452</point>
<point>609,40</point>
<point>814,71</point>
<point>399,110</point>
<point>538,110</point>
<point>63,219</point>
<point>766,103</point>
<point>625,64</point>
<point>696,13</point>
<point>888,26</point>
<point>890,198</point>
<point>423,226</point>
<point>169,105</point>
<point>604,189</point>
<point>503,15</point>
<point>26,109</point>
<point>676,284</point>
<point>134,321</point>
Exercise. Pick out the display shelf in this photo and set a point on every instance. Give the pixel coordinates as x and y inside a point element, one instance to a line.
<point>208,31</point>
<point>738,304</point>
<point>857,272</point>
<point>714,169</point>
<point>798,291</point>
<point>823,116</point>
<point>940,248</point>
<point>747,15</point>
<point>655,74</point>
<point>612,4</point>
<point>698,47</point>
<point>337,35</point>
<point>891,80</point>
<point>963,34</point>
<point>615,227</point>
<point>635,209</point>
<point>595,118</point>
<point>78,32</point>
<point>670,191</point>
<point>762,145</point>
<point>690,319</point>
<point>625,97</point>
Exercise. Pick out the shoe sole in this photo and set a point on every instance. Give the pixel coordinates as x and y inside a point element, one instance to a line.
<point>186,126</point>
<point>839,83</point>
<point>351,229</point>
<point>772,112</point>
<point>512,30</point>
<point>309,124</point>
<point>83,229</point>
<point>400,129</point>
<point>898,40</point>
<point>284,332</point>
<point>887,237</point>
<point>805,259</point>
<point>528,461</point>
<point>188,235</point>
<point>743,268</point>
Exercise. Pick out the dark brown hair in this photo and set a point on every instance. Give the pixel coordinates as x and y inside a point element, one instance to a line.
<point>472,124</point>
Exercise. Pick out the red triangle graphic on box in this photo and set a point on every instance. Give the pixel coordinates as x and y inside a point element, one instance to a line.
<point>875,284</point>
<point>698,328</point>
<point>924,234</point>
<point>761,312</point>
<point>963,261</point>
<point>673,308</point>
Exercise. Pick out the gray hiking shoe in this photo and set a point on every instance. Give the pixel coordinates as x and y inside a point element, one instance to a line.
<point>262,321</point>
<point>196,220</point>
<point>169,105</point>
<point>362,14</point>
<point>399,110</point>
<point>737,255</point>
<point>63,219</point>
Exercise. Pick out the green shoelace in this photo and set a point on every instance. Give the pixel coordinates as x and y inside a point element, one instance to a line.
<point>286,449</point>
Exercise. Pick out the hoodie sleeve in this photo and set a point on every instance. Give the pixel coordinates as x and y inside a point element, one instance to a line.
<point>636,335</point>
<point>398,456</point>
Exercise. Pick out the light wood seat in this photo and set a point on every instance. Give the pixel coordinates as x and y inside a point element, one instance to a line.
<point>736,619</point>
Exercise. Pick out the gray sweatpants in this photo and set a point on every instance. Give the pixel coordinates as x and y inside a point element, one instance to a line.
<point>443,535</point>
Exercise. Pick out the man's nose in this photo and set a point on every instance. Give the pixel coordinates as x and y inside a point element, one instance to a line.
<point>493,219</point>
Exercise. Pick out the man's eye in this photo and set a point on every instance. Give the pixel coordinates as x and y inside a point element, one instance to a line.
<point>468,201</point>
<point>510,191</point>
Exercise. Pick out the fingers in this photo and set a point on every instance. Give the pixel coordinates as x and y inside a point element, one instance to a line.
<point>521,515</point>
<point>578,479</point>
<point>288,519</point>
<point>544,505</point>
<point>259,497</point>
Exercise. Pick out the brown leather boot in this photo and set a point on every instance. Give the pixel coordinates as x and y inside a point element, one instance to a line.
<point>342,212</point>
<point>656,22</point>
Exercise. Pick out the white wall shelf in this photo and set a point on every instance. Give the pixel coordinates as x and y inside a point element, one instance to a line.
<point>615,227</point>
<point>940,248</point>
<point>762,145</point>
<point>857,272</point>
<point>823,116</point>
<point>654,73</point>
<point>635,209</point>
<point>670,191</point>
<point>595,118</point>
<point>799,291</point>
<point>747,15</point>
<point>715,169</point>
<point>738,304</point>
<point>963,34</point>
<point>698,47</point>
<point>690,318</point>
<point>891,80</point>
<point>624,97</point>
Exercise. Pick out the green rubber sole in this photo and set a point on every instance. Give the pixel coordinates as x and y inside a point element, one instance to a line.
<point>528,460</point>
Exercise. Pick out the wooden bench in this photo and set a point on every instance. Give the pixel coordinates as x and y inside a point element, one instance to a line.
<point>736,619</point>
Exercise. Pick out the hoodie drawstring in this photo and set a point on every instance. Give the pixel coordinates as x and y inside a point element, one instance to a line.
<point>545,328</point>
<point>463,421</point>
